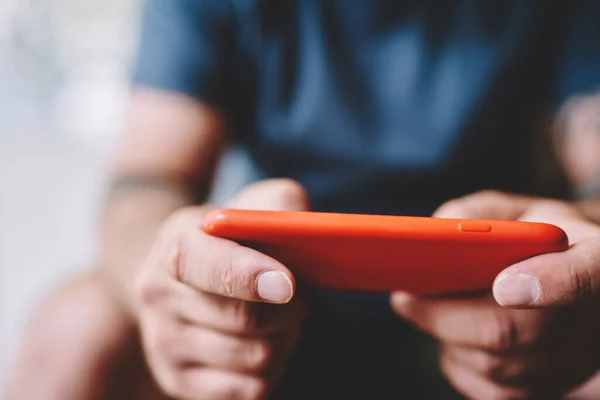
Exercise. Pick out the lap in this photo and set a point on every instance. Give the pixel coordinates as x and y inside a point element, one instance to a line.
<point>80,344</point>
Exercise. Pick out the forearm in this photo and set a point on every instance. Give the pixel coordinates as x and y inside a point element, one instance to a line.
<point>135,210</point>
<point>166,160</point>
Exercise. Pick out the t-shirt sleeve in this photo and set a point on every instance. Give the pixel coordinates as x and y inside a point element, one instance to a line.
<point>579,58</point>
<point>185,46</point>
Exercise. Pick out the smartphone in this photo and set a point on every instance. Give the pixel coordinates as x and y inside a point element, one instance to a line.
<point>378,253</point>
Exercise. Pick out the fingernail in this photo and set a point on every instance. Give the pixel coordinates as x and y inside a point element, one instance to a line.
<point>274,286</point>
<point>517,289</point>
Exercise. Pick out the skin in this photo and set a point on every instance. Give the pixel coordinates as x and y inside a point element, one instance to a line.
<point>168,294</point>
<point>158,270</point>
<point>508,345</point>
<point>536,335</point>
<point>219,320</point>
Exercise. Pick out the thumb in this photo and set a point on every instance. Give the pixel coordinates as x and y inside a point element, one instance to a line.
<point>551,280</point>
<point>272,195</point>
<point>488,204</point>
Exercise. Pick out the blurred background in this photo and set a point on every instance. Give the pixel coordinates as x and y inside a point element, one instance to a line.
<point>63,86</point>
<point>64,72</point>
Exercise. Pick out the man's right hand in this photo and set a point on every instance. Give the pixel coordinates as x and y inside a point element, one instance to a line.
<point>219,320</point>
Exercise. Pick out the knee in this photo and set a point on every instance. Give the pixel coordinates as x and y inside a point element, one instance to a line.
<point>83,315</point>
<point>75,333</point>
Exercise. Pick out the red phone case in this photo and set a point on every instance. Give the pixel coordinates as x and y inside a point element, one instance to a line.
<point>384,253</point>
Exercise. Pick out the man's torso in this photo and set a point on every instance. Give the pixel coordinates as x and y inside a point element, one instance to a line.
<point>388,107</point>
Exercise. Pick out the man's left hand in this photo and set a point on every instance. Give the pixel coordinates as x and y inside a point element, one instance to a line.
<point>537,335</point>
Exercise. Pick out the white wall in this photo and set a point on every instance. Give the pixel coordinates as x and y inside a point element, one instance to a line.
<point>63,82</point>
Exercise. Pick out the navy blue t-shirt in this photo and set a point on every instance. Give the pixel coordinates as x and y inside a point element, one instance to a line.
<point>375,106</point>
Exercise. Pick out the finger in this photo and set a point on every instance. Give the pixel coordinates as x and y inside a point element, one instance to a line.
<point>563,215</point>
<point>171,347</point>
<point>542,375</point>
<point>487,204</point>
<point>512,369</point>
<point>233,316</point>
<point>550,369</point>
<point>476,322</point>
<point>225,268</point>
<point>215,265</point>
<point>551,280</point>
<point>244,354</point>
<point>272,194</point>
<point>200,383</point>
<point>476,386</point>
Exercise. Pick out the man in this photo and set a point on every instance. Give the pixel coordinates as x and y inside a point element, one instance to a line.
<point>412,108</point>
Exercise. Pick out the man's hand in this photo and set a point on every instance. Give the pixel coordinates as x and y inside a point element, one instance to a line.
<point>538,334</point>
<point>219,320</point>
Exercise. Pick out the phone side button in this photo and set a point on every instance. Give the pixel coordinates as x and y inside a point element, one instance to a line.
<point>474,227</point>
